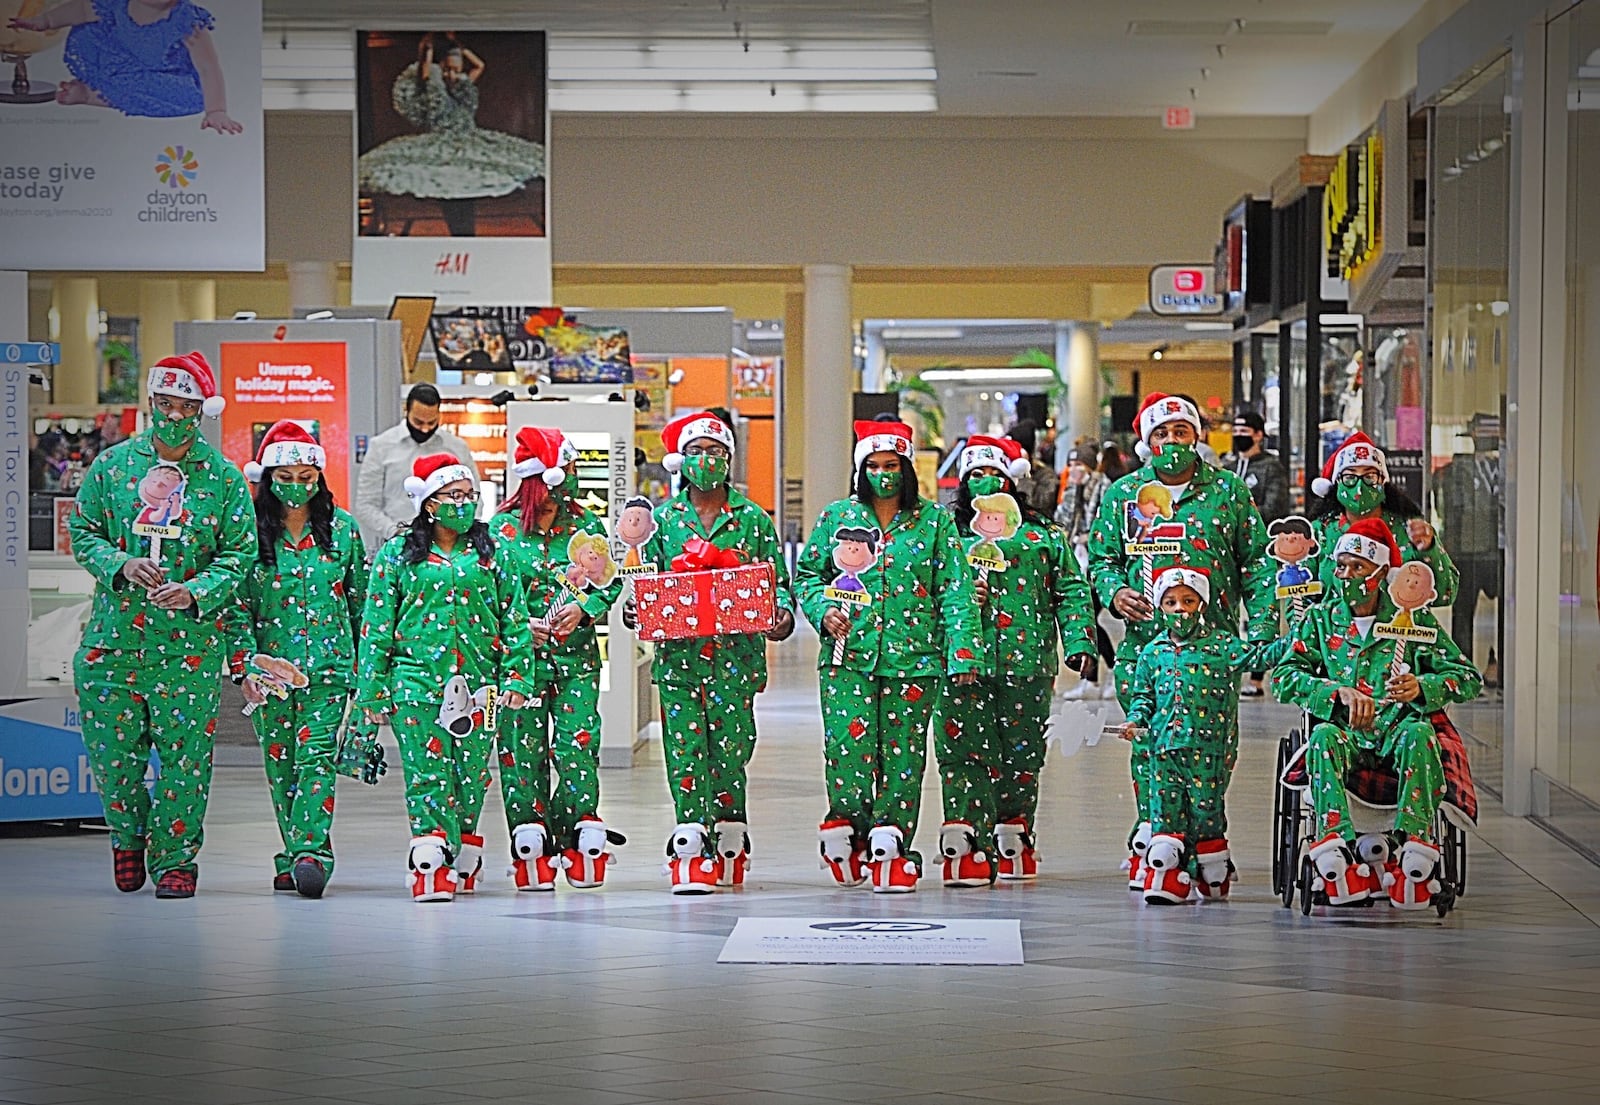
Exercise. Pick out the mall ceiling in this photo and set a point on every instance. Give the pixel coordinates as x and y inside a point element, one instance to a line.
<point>993,57</point>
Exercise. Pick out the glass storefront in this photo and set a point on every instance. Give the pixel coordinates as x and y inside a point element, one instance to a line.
<point>1469,239</point>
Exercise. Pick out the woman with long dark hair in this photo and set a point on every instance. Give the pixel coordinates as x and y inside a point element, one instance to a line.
<point>990,735</point>
<point>1355,486</point>
<point>444,644</point>
<point>540,532</point>
<point>293,636</point>
<point>885,582</point>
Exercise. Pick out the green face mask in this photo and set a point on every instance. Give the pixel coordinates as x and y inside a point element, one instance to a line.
<point>457,516</point>
<point>1360,499</point>
<point>885,485</point>
<point>175,433</point>
<point>706,472</point>
<point>569,486</point>
<point>1174,458</point>
<point>985,485</point>
<point>1181,624</point>
<point>294,494</point>
<point>1357,591</point>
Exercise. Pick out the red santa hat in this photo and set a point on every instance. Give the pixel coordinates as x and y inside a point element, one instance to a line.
<point>1370,539</point>
<point>686,428</point>
<point>1158,408</point>
<point>540,453</point>
<point>1197,578</point>
<point>1356,451</point>
<point>882,437</point>
<point>430,473</point>
<point>1000,453</point>
<point>286,442</point>
<point>188,377</point>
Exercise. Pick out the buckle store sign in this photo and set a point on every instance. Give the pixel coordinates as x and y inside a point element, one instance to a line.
<point>1185,290</point>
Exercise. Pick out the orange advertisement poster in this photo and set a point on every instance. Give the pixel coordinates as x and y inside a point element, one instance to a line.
<point>302,380</point>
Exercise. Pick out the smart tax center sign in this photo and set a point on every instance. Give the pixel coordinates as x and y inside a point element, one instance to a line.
<point>1185,290</point>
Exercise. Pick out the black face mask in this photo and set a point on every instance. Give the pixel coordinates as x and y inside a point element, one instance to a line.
<point>419,436</point>
<point>1243,443</point>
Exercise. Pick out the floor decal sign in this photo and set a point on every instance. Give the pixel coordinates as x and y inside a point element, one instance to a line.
<point>879,942</point>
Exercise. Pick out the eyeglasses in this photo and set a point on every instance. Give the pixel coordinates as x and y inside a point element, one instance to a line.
<point>720,451</point>
<point>458,496</point>
<point>1350,479</point>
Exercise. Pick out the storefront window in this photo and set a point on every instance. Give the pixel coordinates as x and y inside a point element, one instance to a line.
<point>1577,764</point>
<point>1469,238</point>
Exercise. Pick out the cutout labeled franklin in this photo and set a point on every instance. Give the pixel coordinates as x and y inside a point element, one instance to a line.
<point>1293,542</point>
<point>855,550</point>
<point>1149,529</point>
<point>161,491</point>
<point>995,518</point>
<point>635,526</point>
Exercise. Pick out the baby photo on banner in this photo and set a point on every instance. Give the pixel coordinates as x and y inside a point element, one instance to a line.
<point>451,180</point>
<point>131,135</point>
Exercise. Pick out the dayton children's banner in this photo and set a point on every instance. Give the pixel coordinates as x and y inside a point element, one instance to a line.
<point>301,380</point>
<point>130,135</point>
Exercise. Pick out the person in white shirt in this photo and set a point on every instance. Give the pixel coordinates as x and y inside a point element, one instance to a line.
<point>381,503</point>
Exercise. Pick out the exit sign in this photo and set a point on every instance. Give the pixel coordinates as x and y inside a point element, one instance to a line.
<point>1178,118</point>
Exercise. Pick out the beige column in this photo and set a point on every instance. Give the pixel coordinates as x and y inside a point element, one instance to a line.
<point>197,300</point>
<point>828,380</point>
<point>1078,361</point>
<point>313,285</point>
<point>76,303</point>
<point>160,309</point>
<point>794,376</point>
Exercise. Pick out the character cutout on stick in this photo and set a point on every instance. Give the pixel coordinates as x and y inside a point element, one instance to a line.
<point>1150,532</point>
<point>635,527</point>
<point>161,491</point>
<point>589,566</point>
<point>1412,588</point>
<point>462,711</point>
<point>995,518</point>
<point>855,550</point>
<point>274,676</point>
<point>1293,542</point>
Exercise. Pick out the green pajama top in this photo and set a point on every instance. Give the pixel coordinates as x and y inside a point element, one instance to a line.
<point>306,607</point>
<point>744,526</point>
<point>923,619</point>
<point>1039,599</point>
<point>1329,528</point>
<point>1187,692</point>
<point>217,548</point>
<point>444,616</point>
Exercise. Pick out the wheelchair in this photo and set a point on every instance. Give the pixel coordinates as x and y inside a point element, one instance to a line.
<point>1373,793</point>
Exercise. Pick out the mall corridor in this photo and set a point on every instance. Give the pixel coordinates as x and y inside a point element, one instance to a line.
<point>615,996</point>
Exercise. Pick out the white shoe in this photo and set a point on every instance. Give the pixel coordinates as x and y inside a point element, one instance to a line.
<point>1081,690</point>
<point>1108,686</point>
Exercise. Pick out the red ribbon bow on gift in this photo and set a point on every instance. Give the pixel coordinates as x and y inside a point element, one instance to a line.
<point>700,555</point>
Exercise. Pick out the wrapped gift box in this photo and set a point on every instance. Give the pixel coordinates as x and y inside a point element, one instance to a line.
<point>707,603</point>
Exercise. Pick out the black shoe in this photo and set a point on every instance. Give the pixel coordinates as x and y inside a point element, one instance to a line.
<point>309,877</point>
<point>1250,690</point>
<point>283,882</point>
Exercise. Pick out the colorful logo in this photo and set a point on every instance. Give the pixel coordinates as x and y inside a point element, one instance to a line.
<point>176,167</point>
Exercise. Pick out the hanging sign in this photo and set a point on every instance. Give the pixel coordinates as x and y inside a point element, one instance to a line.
<point>1185,290</point>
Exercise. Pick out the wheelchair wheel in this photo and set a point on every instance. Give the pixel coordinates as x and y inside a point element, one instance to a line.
<point>1288,845</point>
<point>1458,849</point>
<point>1278,873</point>
<point>1308,874</point>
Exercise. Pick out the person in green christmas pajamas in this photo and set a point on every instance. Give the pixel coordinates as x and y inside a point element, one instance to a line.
<point>149,668</point>
<point>292,637</point>
<point>1185,694</point>
<point>444,647</point>
<point>1175,510</point>
<point>989,736</point>
<point>885,582</point>
<point>1370,709</point>
<point>1355,485</point>
<point>554,823</point>
<point>708,684</point>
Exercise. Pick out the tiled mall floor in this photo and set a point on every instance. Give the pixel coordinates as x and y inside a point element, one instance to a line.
<point>614,996</point>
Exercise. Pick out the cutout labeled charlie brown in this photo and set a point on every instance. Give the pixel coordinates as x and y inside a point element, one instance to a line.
<point>1412,587</point>
<point>995,518</point>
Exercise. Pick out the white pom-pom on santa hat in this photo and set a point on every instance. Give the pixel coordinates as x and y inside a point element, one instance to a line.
<point>1000,453</point>
<point>543,452</point>
<point>1357,451</point>
<point>688,427</point>
<point>1159,408</point>
<point>187,376</point>
<point>434,471</point>
<point>286,442</point>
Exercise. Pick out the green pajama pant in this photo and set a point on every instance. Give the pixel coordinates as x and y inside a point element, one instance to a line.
<point>989,737</point>
<point>1410,745</point>
<point>875,746</point>
<point>558,729</point>
<point>1187,791</point>
<point>446,776</point>
<point>708,735</point>
<point>299,738</point>
<point>128,703</point>
<point>1142,752</point>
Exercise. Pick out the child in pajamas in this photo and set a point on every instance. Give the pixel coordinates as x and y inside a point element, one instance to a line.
<point>1185,696</point>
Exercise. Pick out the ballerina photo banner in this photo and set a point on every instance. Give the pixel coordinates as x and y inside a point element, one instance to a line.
<point>452,187</point>
<point>131,135</point>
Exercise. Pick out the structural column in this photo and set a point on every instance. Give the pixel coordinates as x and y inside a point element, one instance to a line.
<point>827,387</point>
<point>197,300</point>
<point>1078,362</point>
<point>76,302</point>
<point>160,311</point>
<point>313,285</point>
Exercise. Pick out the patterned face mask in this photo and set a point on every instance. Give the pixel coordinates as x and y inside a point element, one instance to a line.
<point>1181,624</point>
<point>293,495</point>
<point>706,472</point>
<point>1357,591</point>
<point>884,485</point>
<point>457,516</point>
<point>175,433</point>
<point>1360,499</point>
<point>1174,457</point>
<point>985,485</point>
